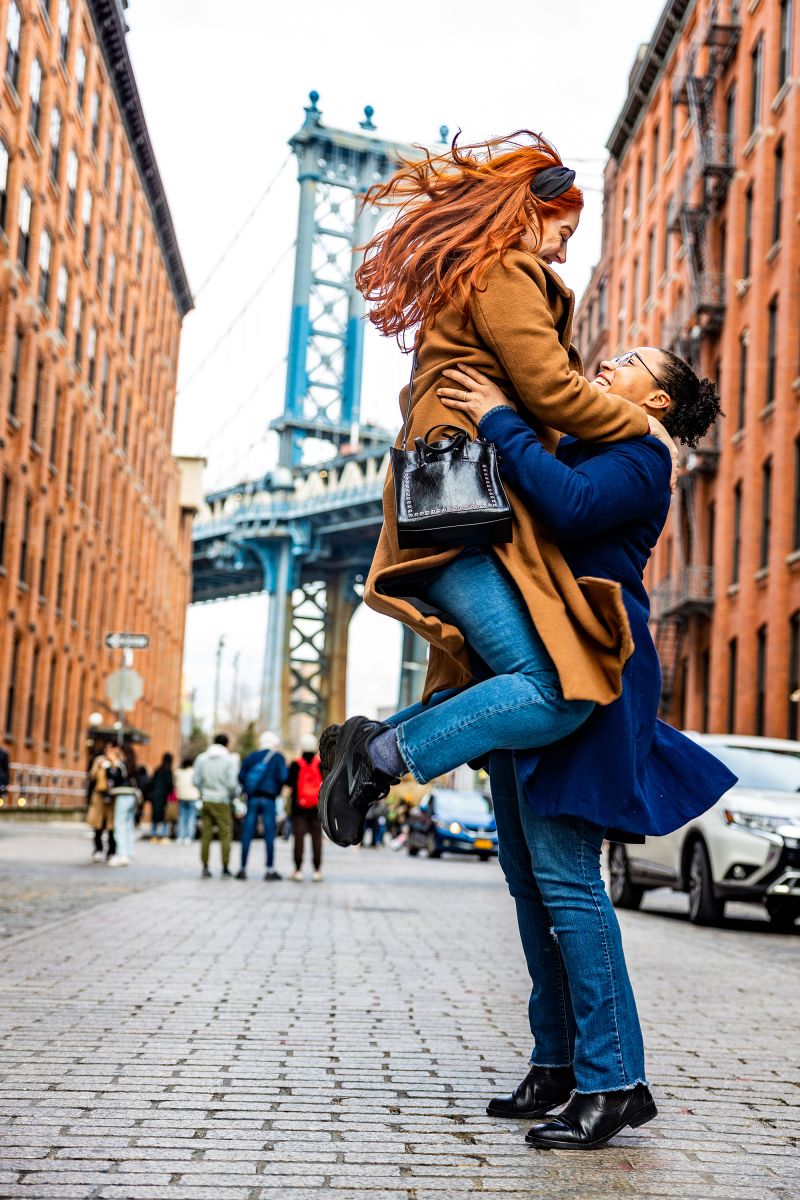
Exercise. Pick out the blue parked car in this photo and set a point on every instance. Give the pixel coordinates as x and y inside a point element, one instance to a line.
<point>446,821</point>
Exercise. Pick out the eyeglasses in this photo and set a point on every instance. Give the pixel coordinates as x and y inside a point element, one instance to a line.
<point>625,360</point>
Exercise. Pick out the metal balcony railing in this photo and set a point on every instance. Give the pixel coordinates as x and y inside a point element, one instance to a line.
<point>689,592</point>
<point>44,787</point>
<point>703,458</point>
<point>718,153</point>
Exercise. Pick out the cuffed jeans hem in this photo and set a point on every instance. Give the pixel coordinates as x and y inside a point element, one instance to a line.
<point>407,756</point>
<point>549,1066</point>
<point>625,1087</point>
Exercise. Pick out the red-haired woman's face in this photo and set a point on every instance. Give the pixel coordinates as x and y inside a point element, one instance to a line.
<point>556,232</point>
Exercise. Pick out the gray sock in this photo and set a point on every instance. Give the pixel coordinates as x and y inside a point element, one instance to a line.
<point>385,753</point>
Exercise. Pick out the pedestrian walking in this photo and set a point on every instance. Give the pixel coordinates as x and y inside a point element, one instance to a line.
<point>162,786</point>
<point>262,775</point>
<point>125,797</point>
<point>303,784</point>
<point>143,781</point>
<point>215,775</point>
<point>100,813</point>
<point>188,802</point>
<point>555,613</point>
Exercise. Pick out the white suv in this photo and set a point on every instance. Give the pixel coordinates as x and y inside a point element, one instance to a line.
<point>747,847</point>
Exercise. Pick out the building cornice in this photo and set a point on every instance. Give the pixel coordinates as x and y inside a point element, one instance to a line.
<point>109,23</point>
<point>647,73</point>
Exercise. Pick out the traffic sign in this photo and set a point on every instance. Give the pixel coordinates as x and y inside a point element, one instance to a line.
<point>123,688</point>
<point>128,641</point>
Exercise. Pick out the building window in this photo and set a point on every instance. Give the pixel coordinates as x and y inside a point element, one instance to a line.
<point>73,432</point>
<point>33,689</point>
<point>76,585</point>
<point>123,309</point>
<point>16,370</point>
<point>730,124</point>
<point>62,567</point>
<point>94,117</point>
<point>667,236</point>
<point>72,185</point>
<point>747,260</point>
<point>656,155</point>
<point>761,680</point>
<point>772,350</point>
<point>101,253</point>
<point>44,558</point>
<point>777,195</point>
<point>86,215</point>
<point>736,550</point>
<point>104,374</point>
<point>25,541</point>
<point>24,242</point>
<point>55,143</point>
<point>756,83</point>
<point>794,675</point>
<point>11,693</point>
<point>139,250</point>
<point>65,709</point>
<point>711,533</point>
<point>126,425</point>
<point>3,183</point>
<point>76,746</point>
<point>705,689</point>
<point>13,31</point>
<point>112,283</point>
<point>766,513</point>
<point>115,407</point>
<point>64,18</point>
<point>35,97</point>
<point>62,297</point>
<point>48,706</point>
<point>107,159</point>
<point>671,127</point>
<point>651,256</point>
<point>118,192</point>
<point>134,331</point>
<point>733,647</point>
<point>129,225</point>
<point>785,42</point>
<point>635,289</point>
<point>45,252</point>
<point>77,329</point>
<point>639,184</point>
<point>36,408</point>
<point>91,354</point>
<point>58,407</point>
<point>744,342</point>
<point>5,505</point>
<point>80,77</point>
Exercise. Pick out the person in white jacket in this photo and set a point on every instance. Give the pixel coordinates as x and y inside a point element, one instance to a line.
<point>215,775</point>
<point>188,802</point>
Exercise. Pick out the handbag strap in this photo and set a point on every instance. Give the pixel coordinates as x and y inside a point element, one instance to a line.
<point>407,413</point>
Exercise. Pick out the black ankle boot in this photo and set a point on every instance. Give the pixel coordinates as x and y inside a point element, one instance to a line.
<point>542,1088</point>
<point>590,1118</point>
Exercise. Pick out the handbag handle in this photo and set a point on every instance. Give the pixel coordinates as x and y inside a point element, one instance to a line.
<point>407,414</point>
<point>430,449</point>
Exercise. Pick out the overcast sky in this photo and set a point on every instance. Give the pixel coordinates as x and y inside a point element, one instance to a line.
<point>223,88</point>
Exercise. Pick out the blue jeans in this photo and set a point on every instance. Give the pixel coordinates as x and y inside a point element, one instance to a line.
<point>264,807</point>
<point>518,705</point>
<point>187,819</point>
<point>581,1008</point>
<point>124,810</point>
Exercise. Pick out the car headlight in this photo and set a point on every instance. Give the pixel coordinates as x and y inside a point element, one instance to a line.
<point>454,827</point>
<point>734,816</point>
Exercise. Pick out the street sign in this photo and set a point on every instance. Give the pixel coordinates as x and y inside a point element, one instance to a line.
<point>128,641</point>
<point>123,688</point>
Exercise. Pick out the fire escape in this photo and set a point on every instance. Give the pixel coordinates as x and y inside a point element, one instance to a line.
<point>698,316</point>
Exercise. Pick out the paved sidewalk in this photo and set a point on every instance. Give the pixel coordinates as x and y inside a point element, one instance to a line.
<point>250,1041</point>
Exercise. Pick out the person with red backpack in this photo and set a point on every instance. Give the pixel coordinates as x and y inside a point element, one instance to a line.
<point>305,780</point>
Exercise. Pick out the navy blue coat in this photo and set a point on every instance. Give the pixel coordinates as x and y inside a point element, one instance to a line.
<point>606,504</point>
<point>270,780</point>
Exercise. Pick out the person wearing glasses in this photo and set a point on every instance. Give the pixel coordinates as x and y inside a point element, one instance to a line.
<point>606,504</point>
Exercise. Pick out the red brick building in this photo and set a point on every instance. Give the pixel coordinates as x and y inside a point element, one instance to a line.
<point>94,532</point>
<point>702,255</point>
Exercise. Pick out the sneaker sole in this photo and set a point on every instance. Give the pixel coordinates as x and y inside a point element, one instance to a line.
<point>345,828</point>
<point>641,1118</point>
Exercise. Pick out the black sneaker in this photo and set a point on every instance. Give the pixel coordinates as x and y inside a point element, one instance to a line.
<point>242,874</point>
<point>272,875</point>
<point>327,748</point>
<point>206,873</point>
<point>226,871</point>
<point>353,782</point>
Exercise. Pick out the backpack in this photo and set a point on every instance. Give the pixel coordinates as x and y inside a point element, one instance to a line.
<point>309,781</point>
<point>256,774</point>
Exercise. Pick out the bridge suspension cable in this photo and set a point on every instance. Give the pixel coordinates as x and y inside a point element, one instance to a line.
<point>229,420</point>
<point>241,313</point>
<point>244,225</point>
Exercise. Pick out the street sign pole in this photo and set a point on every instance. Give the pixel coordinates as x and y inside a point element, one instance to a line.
<point>126,643</point>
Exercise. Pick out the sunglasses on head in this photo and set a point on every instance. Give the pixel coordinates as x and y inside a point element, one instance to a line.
<point>625,360</point>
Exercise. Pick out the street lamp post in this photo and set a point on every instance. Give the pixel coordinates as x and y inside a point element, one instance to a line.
<point>220,648</point>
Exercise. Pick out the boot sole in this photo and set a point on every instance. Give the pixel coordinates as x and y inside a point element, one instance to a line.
<point>543,1111</point>
<point>641,1118</point>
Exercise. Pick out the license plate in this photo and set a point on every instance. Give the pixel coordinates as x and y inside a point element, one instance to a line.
<point>483,844</point>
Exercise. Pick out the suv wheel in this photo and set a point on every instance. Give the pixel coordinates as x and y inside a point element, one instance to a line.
<point>432,848</point>
<point>704,907</point>
<point>783,914</point>
<point>624,893</point>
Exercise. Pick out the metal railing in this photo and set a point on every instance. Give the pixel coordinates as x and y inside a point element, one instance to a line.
<point>44,787</point>
<point>689,591</point>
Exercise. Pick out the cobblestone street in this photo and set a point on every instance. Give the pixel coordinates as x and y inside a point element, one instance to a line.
<point>165,1036</point>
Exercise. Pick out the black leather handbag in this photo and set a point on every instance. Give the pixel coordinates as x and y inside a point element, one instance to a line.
<point>448,492</point>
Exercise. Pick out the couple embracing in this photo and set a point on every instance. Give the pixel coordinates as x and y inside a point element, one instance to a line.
<point>541,661</point>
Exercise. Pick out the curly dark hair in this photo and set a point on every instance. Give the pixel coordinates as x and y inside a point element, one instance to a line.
<point>695,402</point>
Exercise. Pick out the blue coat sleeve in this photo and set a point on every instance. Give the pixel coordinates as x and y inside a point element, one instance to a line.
<point>626,481</point>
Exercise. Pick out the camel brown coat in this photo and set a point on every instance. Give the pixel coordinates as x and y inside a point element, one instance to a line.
<point>517,332</point>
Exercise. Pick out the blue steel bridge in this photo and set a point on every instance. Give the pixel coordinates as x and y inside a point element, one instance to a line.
<point>306,534</point>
